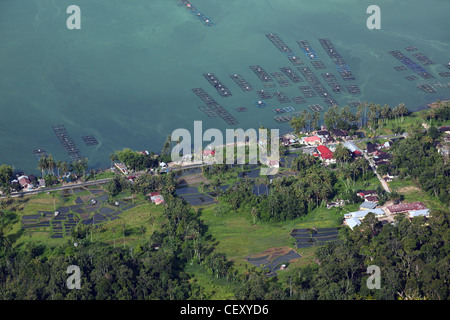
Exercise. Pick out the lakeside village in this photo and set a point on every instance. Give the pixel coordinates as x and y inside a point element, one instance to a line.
<point>323,144</point>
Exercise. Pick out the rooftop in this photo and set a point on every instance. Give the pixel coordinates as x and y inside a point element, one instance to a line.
<point>362,213</point>
<point>404,207</point>
<point>352,222</point>
<point>416,213</point>
<point>368,205</point>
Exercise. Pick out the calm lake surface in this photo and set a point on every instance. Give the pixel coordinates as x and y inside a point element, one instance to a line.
<point>126,76</point>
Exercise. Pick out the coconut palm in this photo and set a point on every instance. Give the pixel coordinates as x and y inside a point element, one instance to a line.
<point>42,165</point>
<point>113,157</point>
<point>401,110</point>
<point>51,164</point>
<point>65,167</point>
<point>59,166</point>
<point>316,119</point>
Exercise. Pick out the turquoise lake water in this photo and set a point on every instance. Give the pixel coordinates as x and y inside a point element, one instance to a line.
<point>126,76</point>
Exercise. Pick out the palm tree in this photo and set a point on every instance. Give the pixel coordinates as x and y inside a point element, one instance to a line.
<point>51,163</point>
<point>298,123</point>
<point>42,165</point>
<point>402,110</point>
<point>359,113</point>
<point>58,166</point>
<point>309,117</point>
<point>65,167</point>
<point>330,118</point>
<point>113,157</point>
<point>316,119</point>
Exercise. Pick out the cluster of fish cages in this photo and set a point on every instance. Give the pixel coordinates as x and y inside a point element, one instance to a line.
<point>354,104</point>
<point>341,65</point>
<point>196,13</point>
<point>307,91</point>
<point>400,68</point>
<point>316,107</point>
<point>281,97</point>
<point>283,47</point>
<point>260,104</point>
<point>317,86</point>
<point>217,84</point>
<point>426,87</point>
<point>336,87</point>
<point>423,59</point>
<point>262,94</point>
<point>411,64</point>
<point>90,140</point>
<point>283,110</point>
<point>209,112</point>
<point>212,109</point>
<point>269,85</point>
<point>291,74</point>
<point>299,100</point>
<point>67,142</point>
<point>281,79</point>
<point>330,102</point>
<point>353,89</point>
<point>318,65</point>
<point>39,153</point>
<point>307,50</point>
<point>241,109</point>
<point>282,119</point>
<point>329,77</point>
<point>444,74</point>
<point>411,78</point>
<point>241,82</point>
<point>261,73</point>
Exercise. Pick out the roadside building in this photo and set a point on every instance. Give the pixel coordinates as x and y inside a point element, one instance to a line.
<point>379,212</point>
<point>371,147</point>
<point>352,148</point>
<point>156,197</point>
<point>338,133</point>
<point>406,207</point>
<point>444,129</point>
<point>121,167</point>
<point>313,140</point>
<point>373,199</point>
<point>366,205</point>
<point>365,193</point>
<point>24,182</point>
<point>325,154</point>
<point>324,135</point>
<point>352,222</point>
<point>418,213</point>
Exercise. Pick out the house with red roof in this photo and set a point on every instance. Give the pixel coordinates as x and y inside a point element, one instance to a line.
<point>405,207</point>
<point>325,154</point>
<point>156,197</point>
<point>25,182</point>
<point>209,153</point>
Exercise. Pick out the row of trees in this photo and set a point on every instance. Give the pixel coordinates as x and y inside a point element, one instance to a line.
<point>144,184</point>
<point>135,160</point>
<point>343,118</point>
<point>47,165</point>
